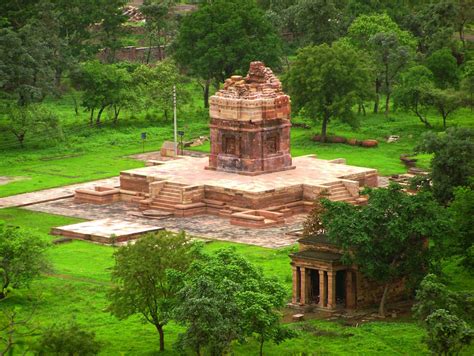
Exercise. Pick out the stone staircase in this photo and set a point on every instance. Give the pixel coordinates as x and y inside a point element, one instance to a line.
<point>339,192</point>
<point>169,196</point>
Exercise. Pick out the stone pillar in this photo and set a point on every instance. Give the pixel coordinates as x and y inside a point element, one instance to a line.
<point>350,290</point>
<point>303,294</point>
<point>296,285</point>
<point>331,289</point>
<point>322,289</point>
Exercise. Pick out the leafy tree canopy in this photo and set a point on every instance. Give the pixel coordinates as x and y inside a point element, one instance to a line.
<point>225,298</point>
<point>444,68</point>
<point>147,277</point>
<point>452,164</point>
<point>22,257</point>
<point>327,81</point>
<point>221,38</point>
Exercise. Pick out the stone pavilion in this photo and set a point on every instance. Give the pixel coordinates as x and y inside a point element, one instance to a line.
<point>321,280</point>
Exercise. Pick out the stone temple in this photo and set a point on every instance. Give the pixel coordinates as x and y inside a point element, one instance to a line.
<point>249,176</point>
<point>250,124</point>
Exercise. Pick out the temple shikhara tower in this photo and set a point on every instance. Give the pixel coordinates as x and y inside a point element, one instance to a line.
<point>250,124</point>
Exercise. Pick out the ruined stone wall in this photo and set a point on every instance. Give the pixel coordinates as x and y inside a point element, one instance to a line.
<point>369,292</point>
<point>134,54</point>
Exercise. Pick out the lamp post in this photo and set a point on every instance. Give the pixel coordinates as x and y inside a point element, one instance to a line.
<point>174,121</point>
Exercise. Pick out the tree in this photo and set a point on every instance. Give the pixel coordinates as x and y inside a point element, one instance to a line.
<point>316,21</point>
<point>104,85</point>
<point>386,43</point>
<point>22,258</point>
<point>225,298</point>
<point>444,68</point>
<point>452,164</point>
<point>467,82</point>
<point>433,295</point>
<point>26,71</point>
<point>390,57</point>
<point>24,121</point>
<point>462,209</point>
<point>413,92</point>
<point>146,276</point>
<point>14,331</point>
<point>222,37</point>
<point>160,24</point>
<point>447,334</point>
<point>327,81</point>
<point>67,339</point>
<point>446,102</point>
<point>111,28</point>
<point>155,85</point>
<point>387,238</point>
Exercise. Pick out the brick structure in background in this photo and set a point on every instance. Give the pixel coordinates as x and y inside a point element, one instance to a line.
<point>321,280</point>
<point>250,124</point>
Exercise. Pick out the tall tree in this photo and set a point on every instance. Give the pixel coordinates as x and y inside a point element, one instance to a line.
<point>388,45</point>
<point>22,257</point>
<point>155,85</point>
<point>316,21</point>
<point>387,238</point>
<point>327,81</point>
<point>414,92</point>
<point>452,164</point>
<point>103,86</point>
<point>26,69</point>
<point>160,24</point>
<point>222,37</point>
<point>146,276</point>
<point>391,58</point>
<point>446,102</point>
<point>225,298</point>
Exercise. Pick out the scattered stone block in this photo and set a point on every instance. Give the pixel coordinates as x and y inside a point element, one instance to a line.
<point>298,317</point>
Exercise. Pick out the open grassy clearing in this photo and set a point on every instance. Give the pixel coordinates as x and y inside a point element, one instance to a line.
<point>76,288</point>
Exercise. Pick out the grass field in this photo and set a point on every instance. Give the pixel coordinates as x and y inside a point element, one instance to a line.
<point>76,289</point>
<point>87,153</point>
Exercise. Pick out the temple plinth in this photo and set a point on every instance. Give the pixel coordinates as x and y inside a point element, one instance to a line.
<point>250,124</point>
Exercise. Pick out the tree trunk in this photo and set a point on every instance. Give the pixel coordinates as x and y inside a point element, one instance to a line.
<point>91,117</point>
<point>387,104</point>
<point>166,114</point>
<point>206,94</point>
<point>57,77</point>
<point>99,114</point>
<point>3,294</point>
<point>377,96</point>
<point>159,327</point>
<point>324,129</point>
<point>445,116</point>
<point>262,340</point>
<point>382,301</point>
<point>116,114</point>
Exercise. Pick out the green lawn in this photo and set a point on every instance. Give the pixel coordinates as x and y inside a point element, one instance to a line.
<point>76,288</point>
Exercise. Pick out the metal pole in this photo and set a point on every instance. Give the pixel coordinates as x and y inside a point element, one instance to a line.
<point>175,124</point>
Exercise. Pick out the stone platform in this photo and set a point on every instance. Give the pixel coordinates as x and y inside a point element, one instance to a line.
<point>184,187</point>
<point>106,231</point>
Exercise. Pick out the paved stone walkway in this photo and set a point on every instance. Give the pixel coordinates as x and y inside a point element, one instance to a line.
<point>206,226</point>
<point>53,193</point>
